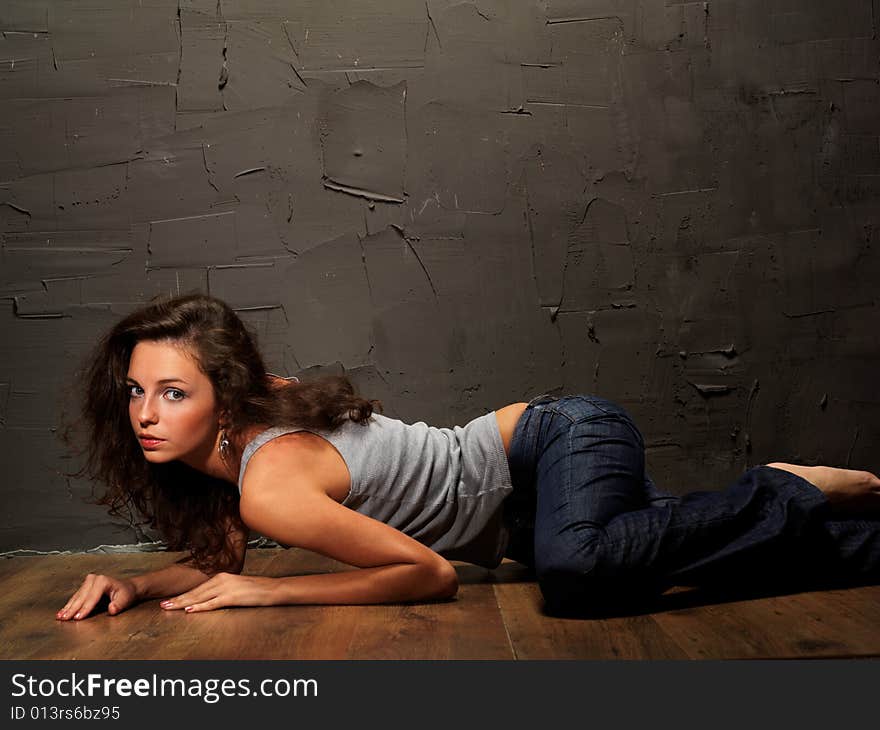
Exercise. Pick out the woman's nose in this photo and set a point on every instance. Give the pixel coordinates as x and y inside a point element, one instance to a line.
<point>147,412</point>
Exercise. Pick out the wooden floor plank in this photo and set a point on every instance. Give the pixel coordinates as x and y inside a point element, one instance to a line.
<point>497,614</point>
<point>860,604</point>
<point>535,635</point>
<point>11,566</point>
<point>47,584</point>
<point>801,625</point>
<point>852,613</point>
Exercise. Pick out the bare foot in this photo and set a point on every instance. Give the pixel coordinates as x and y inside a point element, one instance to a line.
<point>847,490</point>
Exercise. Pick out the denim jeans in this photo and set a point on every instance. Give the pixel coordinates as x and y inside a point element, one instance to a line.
<point>600,534</point>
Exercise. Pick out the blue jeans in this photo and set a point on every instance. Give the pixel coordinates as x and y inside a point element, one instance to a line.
<point>600,534</point>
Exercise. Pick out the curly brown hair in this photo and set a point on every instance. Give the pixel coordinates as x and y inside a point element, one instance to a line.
<point>193,511</point>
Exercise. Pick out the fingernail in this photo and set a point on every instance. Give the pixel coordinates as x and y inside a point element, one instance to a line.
<point>166,603</point>
<point>188,608</point>
<point>76,616</point>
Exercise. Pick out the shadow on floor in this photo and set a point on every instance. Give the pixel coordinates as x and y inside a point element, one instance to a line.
<point>683,598</point>
<point>677,598</point>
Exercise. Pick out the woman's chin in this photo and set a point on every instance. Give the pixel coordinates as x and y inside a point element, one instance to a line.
<point>158,457</point>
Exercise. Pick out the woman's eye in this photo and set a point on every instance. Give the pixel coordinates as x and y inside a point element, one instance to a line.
<point>135,391</point>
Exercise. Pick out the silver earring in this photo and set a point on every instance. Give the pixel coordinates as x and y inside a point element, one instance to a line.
<point>223,448</point>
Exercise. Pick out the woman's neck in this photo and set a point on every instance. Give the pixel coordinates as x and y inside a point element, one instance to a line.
<point>209,461</point>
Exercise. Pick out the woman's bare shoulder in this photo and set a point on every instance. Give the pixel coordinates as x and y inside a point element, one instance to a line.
<point>288,464</point>
<point>297,450</point>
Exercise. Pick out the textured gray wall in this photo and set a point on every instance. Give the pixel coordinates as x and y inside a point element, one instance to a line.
<point>460,205</point>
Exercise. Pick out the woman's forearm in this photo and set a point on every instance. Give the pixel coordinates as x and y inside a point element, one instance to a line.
<point>170,581</point>
<point>382,584</point>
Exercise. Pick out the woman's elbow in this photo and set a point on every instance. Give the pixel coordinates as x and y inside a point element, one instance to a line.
<point>446,581</point>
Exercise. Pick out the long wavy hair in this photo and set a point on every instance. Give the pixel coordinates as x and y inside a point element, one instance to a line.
<point>191,510</point>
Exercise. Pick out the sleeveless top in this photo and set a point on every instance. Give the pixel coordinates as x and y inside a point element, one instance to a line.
<point>441,486</point>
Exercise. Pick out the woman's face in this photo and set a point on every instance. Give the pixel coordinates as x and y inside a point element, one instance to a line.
<point>173,401</point>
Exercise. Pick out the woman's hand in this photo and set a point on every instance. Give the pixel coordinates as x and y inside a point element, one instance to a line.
<point>122,594</point>
<point>225,589</point>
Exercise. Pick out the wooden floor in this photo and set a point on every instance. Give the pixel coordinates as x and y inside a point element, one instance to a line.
<point>496,615</point>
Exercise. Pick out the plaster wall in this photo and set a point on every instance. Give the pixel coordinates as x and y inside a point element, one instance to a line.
<point>459,205</point>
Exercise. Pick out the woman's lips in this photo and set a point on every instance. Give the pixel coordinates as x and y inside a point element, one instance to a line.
<point>150,443</point>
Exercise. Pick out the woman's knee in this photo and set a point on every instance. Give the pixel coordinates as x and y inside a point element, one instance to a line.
<point>583,581</point>
<point>563,570</point>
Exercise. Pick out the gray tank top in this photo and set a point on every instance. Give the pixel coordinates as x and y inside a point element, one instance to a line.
<point>441,486</point>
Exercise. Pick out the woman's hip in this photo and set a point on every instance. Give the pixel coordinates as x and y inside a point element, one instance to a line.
<point>547,423</point>
<point>558,439</point>
<point>577,406</point>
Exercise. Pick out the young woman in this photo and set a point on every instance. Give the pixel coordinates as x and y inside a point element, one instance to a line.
<point>186,427</point>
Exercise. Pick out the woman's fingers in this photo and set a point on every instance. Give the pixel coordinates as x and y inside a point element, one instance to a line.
<point>88,604</point>
<point>225,589</point>
<point>203,597</point>
<point>85,599</point>
<point>209,605</point>
<point>196,595</point>
<point>185,602</point>
<point>74,603</point>
<point>91,597</point>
